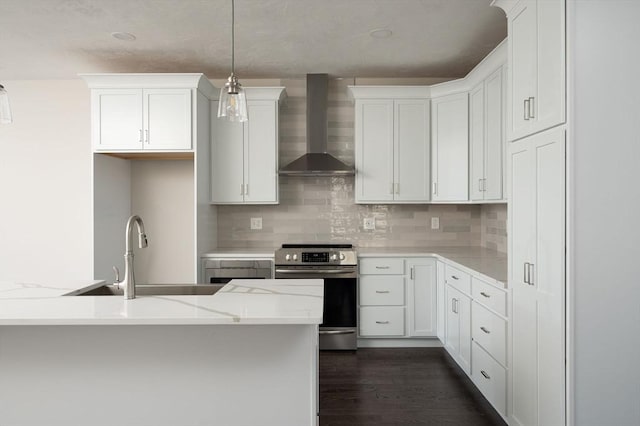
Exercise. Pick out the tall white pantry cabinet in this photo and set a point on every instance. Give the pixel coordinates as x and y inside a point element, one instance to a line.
<point>536,210</point>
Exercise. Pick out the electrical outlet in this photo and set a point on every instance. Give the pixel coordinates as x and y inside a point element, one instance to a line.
<point>256,223</point>
<point>435,223</point>
<point>369,223</point>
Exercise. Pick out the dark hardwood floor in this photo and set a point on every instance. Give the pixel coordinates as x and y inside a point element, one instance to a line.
<point>399,386</point>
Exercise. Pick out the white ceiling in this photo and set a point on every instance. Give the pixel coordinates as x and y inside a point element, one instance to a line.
<point>57,39</point>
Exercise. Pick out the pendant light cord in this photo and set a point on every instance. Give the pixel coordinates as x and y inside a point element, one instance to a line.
<point>233,37</point>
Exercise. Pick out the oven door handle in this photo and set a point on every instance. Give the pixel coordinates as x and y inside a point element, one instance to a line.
<point>312,271</point>
<point>336,331</point>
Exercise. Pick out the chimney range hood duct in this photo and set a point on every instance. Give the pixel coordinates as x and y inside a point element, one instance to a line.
<point>317,162</point>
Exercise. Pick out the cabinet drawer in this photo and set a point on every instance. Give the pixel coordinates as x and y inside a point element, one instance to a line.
<point>489,296</point>
<point>381,266</point>
<point>490,377</point>
<point>489,331</point>
<point>382,321</point>
<point>381,290</point>
<point>458,279</point>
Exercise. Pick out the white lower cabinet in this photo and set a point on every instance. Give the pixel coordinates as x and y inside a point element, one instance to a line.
<point>421,298</point>
<point>441,301</point>
<point>458,332</point>
<point>489,331</point>
<point>490,377</point>
<point>397,297</point>
<point>382,321</point>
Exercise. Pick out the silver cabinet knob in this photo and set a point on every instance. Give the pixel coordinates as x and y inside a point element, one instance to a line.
<point>287,257</point>
<point>295,257</point>
<point>334,257</point>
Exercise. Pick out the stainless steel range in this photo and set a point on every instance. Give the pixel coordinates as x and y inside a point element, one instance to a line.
<point>337,264</point>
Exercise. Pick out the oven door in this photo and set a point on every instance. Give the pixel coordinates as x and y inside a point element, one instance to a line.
<point>339,327</point>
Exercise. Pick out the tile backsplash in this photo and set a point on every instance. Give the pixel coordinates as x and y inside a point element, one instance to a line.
<point>322,209</point>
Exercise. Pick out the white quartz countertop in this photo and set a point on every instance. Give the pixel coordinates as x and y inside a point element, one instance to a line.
<point>490,264</point>
<point>249,302</point>
<point>240,253</point>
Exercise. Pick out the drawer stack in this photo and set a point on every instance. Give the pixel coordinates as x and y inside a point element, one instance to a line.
<point>382,297</point>
<point>489,348</point>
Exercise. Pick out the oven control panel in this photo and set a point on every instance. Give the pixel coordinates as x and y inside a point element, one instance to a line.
<point>316,257</point>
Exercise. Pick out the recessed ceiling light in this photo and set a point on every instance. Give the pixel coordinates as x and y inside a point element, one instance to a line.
<point>123,36</point>
<point>381,33</point>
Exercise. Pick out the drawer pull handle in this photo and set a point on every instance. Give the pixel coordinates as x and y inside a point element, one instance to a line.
<point>382,322</point>
<point>382,267</point>
<point>484,373</point>
<point>485,330</point>
<point>454,277</point>
<point>485,294</point>
<point>382,291</point>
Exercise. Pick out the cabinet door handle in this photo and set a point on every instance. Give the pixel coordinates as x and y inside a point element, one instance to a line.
<point>480,185</point>
<point>146,135</point>
<point>532,107</point>
<point>382,267</point>
<point>484,185</point>
<point>485,294</point>
<point>484,373</point>
<point>531,271</point>
<point>382,291</point>
<point>382,322</point>
<point>411,273</point>
<point>485,330</point>
<point>453,305</point>
<point>397,188</point>
<point>525,278</point>
<point>454,277</point>
<point>526,109</point>
<point>140,136</point>
<point>435,188</point>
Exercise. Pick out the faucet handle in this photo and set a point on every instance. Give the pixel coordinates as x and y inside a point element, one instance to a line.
<point>117,272</point>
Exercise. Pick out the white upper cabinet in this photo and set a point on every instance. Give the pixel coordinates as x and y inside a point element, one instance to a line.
<point>244,156</point>
<point>536,65</point>
<point>141,119</point>
<point>392,144</point>
<point>486,141</point>
<point>145,112</point>
<point>450,147</point>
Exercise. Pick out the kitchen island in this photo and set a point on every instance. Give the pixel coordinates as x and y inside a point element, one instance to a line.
<point>246,355</point>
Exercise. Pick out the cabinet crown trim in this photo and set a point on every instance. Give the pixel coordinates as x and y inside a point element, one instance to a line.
<point>385,92</point>
<point>152,81</point>
<point>265,93</point>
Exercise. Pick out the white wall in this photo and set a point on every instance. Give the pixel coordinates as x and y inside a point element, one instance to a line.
<point>162,195</point>
<point>45,204</point>
<point>604,159</point>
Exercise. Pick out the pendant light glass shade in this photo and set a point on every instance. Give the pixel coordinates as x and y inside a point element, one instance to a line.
<point>232,104</point>
<point>5,109</point>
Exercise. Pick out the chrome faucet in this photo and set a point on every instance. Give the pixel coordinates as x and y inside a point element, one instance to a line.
<point>129,281</point>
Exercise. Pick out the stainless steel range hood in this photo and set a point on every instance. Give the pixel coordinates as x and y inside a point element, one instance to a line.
<point>317,162</point>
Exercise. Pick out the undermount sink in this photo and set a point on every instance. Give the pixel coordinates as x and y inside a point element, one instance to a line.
<point>151,290</point>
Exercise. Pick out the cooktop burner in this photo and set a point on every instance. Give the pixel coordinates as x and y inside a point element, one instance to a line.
<point>321,245</point>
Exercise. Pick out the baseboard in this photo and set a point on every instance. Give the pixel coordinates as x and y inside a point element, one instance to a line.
<point>400,343</point>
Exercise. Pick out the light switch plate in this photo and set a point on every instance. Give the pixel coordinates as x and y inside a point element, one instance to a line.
<point>435,223</point>
<point>369,223</point>
<point>256,223</point>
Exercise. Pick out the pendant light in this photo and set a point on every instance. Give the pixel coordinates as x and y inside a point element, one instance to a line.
<point>233,103</point>
<point>5,109</point>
